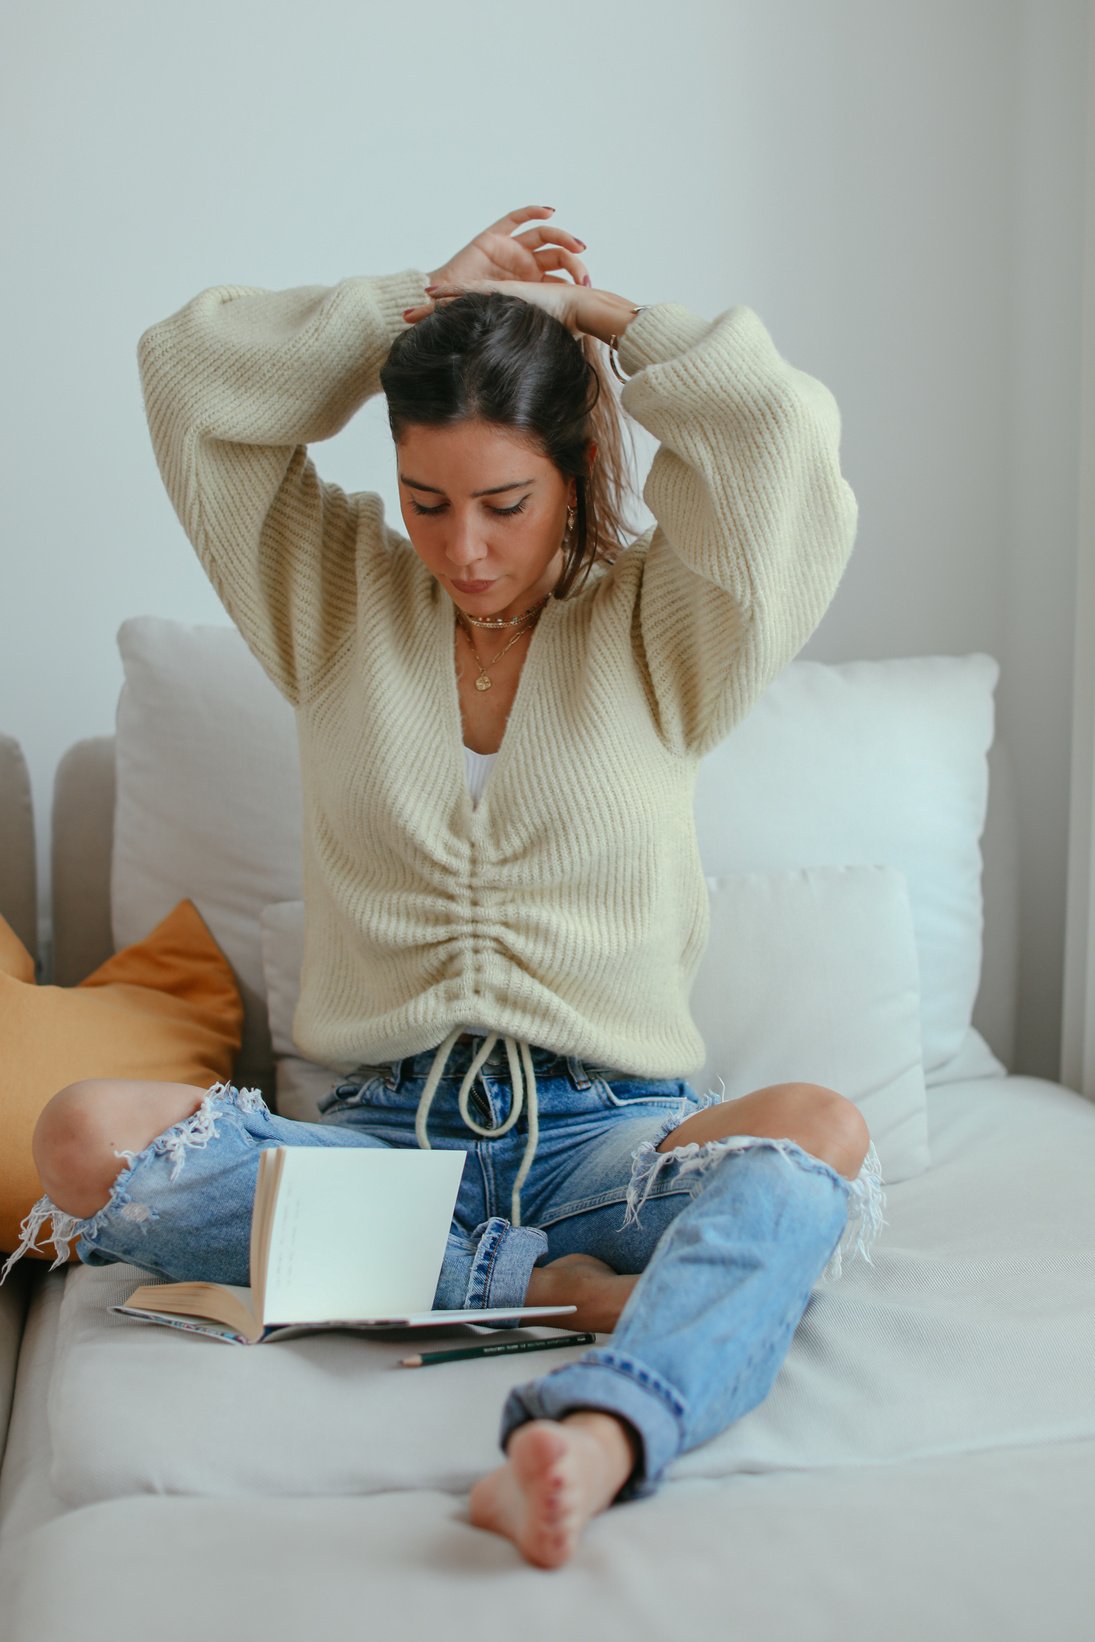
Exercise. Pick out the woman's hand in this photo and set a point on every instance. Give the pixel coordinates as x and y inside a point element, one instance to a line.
<point>583,310</point>
<point>496,259</point>
<point>558,296</point>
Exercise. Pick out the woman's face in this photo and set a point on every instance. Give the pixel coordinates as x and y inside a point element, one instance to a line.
<point>509,535</point>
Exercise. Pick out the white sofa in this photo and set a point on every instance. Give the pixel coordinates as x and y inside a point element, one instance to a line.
<point>925,1461</point>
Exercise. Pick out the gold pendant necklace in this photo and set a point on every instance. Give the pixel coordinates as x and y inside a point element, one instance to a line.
<point>484,681</point>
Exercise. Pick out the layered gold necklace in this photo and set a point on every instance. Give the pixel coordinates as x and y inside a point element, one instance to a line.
<point>522,623</point>
<point>505,621</point>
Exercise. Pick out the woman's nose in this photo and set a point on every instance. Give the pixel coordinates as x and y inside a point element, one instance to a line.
<point>463,546</point>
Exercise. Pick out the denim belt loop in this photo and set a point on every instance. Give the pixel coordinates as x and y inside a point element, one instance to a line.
<point>577,1073</point>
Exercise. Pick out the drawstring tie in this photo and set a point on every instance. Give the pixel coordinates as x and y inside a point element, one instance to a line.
<point>522,1079</point>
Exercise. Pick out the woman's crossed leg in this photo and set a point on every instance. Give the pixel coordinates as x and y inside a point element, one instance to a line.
<point>159,1175</point>
<point>163,1175</point>
<point>716,1289</point>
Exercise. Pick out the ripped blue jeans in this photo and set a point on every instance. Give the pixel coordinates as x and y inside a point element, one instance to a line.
<point>729,1236</point>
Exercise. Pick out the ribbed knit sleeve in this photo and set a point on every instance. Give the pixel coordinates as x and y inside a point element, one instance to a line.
<point>755,523</point>
<point>236,384</point>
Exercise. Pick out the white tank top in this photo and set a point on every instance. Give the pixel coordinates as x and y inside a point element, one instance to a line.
<point>478,766</point>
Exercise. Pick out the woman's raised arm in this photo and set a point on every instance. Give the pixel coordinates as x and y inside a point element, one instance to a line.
<point>236,384</point>
<point>755,522</point>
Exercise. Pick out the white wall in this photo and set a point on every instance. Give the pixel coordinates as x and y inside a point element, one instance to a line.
<point>893,185</point>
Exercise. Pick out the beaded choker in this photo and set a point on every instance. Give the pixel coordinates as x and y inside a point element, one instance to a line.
<point>506,621</point>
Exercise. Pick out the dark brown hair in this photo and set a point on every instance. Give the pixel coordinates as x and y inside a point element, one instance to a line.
<point>489,356</point>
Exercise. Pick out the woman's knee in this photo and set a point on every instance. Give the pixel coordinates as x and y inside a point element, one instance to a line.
<point>82,1129</point>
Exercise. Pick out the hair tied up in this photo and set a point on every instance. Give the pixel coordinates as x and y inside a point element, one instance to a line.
<point>489,356</point>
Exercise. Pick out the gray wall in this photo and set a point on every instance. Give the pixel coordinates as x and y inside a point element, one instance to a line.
<point>896,188</point>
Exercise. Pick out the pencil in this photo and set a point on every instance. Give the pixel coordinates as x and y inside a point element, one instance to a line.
<point>425,1358</point>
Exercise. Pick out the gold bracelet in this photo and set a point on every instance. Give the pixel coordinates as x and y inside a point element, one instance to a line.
<point>613,357</point>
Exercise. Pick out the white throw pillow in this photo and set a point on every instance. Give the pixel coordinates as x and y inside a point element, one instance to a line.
<point>809,976</point>
<point>208,796</point>
<point>875,762</point>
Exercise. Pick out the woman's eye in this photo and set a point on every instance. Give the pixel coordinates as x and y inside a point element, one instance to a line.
<point>501,512</point>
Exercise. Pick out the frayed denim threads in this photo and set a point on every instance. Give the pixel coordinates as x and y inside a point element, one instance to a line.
<point>196,1130</point>
<point>866,1197</point>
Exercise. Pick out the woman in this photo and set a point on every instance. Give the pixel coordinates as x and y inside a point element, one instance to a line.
<point>501,716</point>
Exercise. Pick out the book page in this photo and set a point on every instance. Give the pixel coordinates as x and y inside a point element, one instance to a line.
<point>358,1234</point>
<point>436,1322</point>
<point>266,1192</point>
<point>222,1302</point>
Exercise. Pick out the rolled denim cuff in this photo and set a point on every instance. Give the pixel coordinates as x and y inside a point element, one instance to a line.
<point>502,1264</point>
<point>614,1383</point>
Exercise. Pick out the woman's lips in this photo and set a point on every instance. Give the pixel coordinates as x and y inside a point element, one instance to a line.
<point>472,587</point>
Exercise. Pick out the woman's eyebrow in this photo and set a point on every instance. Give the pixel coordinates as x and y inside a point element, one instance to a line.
<point>413,484</point>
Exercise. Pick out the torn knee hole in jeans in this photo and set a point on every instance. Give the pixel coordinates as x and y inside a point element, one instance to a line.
<point>866,1197</point>
<point>196,1130</point>
<point>647,1161</point>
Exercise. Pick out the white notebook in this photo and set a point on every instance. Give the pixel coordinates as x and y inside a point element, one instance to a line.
<point>348,1238</point>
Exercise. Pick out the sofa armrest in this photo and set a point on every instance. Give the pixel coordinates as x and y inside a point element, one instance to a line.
<point>81,845</point>
<point>13,1310</point>
<point>18,859</point>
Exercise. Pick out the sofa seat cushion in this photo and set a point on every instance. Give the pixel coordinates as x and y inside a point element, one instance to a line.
<point>974,1328</point>
<point>995,1544</point>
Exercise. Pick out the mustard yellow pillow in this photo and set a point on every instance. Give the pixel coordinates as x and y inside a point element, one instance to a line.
<point>167,1008</point>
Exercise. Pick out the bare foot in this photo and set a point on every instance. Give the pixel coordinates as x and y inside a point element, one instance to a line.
<point>581,1280</point>
<point>558,1474</point>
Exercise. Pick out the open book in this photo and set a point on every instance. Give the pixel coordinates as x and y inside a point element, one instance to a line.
<point>347,1238</point>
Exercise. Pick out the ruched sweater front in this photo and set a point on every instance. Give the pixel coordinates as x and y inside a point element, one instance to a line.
<point>567,908</point>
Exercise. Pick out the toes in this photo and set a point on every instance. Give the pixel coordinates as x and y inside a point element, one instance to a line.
<point>542,1513</point>
<point>536,1450</point>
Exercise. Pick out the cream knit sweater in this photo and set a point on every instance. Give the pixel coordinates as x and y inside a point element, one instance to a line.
<point>568,908</point>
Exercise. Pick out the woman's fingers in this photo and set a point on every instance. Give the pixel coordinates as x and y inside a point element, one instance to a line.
<point>514,259</point>
<point>496,252</point>
<point>545,249</point>
<point>506,224</point>
<point>548,235</point>
<point>508,258</point>
<point>553,256</point>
